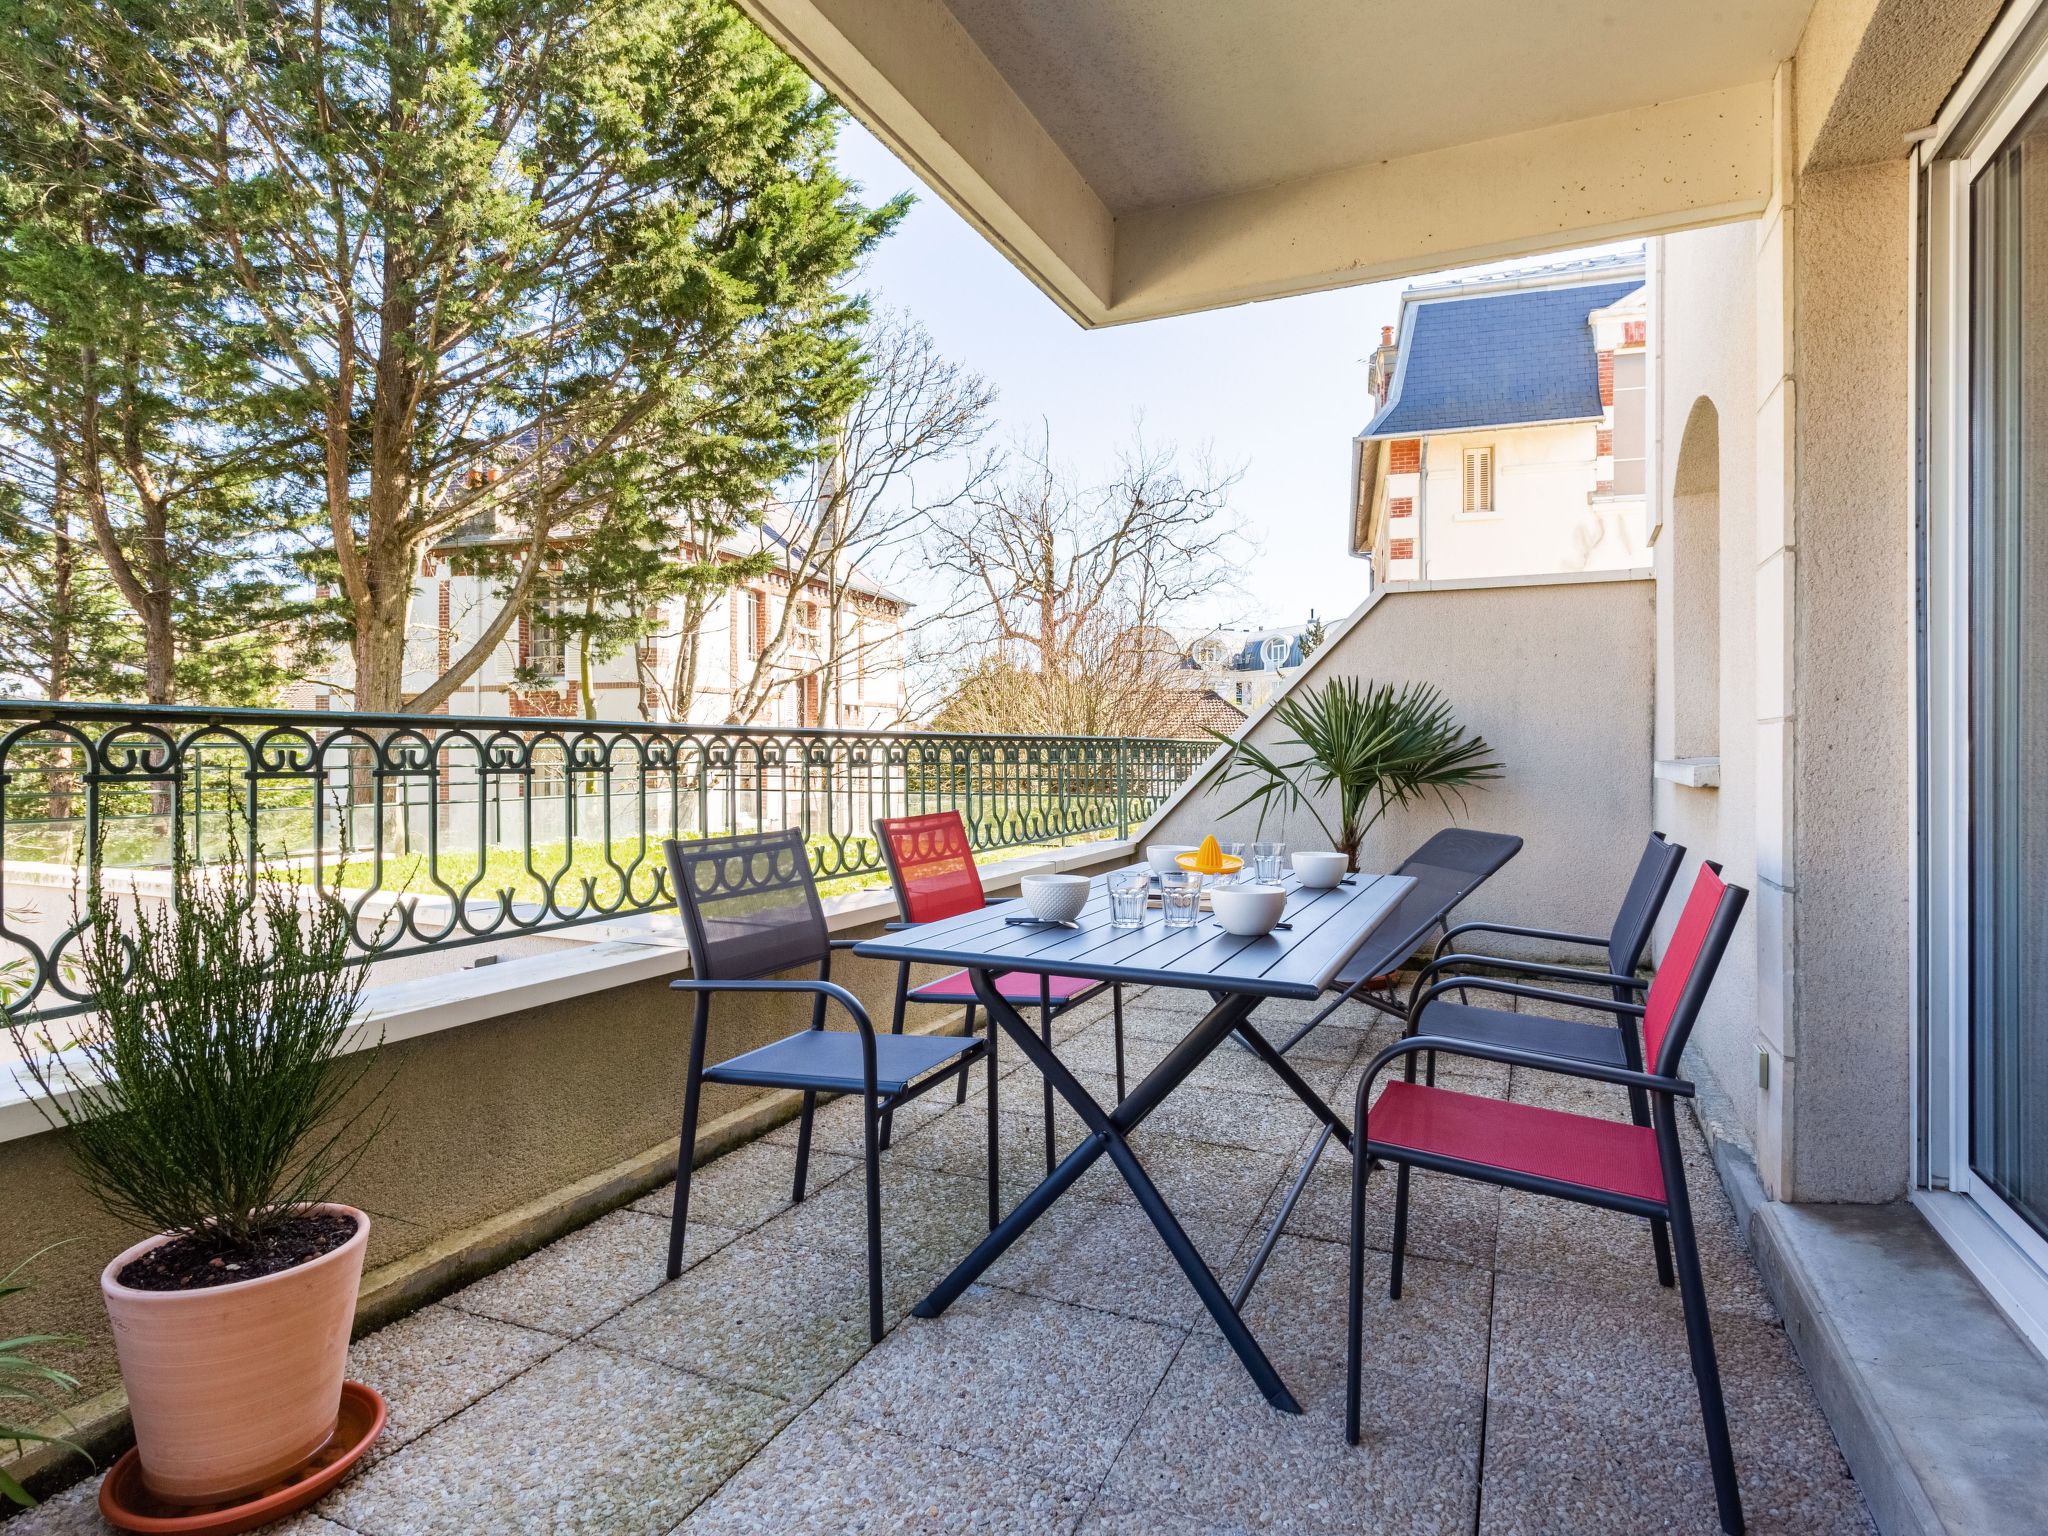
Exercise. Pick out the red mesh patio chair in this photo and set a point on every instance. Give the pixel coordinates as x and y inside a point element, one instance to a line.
<point>1610,1042</point>
<point>750,909</point>
<point>931,865</point>
<point>1614,1164</point>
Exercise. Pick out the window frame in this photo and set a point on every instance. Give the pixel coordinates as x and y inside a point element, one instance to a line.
<point>1489,452</point>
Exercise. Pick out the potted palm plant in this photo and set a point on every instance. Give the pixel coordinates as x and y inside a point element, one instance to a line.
<point>1372,745</point>
<point>216,1099</point>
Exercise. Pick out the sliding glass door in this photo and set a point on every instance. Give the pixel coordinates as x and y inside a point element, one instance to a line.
<point>2008,671</point>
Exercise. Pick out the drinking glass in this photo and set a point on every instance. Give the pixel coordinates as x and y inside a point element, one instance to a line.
<point>1128,889</point>
<point>1180,898</point>
<point>1242,852</point>
<point>1268,860</point>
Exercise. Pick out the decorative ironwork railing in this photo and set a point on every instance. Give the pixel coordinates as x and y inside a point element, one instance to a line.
<point>440,831</point>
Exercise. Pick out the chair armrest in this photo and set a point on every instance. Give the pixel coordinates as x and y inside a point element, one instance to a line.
<point>1552,935</point>
<point>848,943</point>
<point>1525,968</point>
<point>1517,1056</point>
<point>830,989</point>
<point>1517,989</point>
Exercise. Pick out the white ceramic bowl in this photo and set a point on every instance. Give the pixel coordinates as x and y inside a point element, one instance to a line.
<point>1319,871</point>
<point>1161,856</point>
<point>1055,898</point>
<point>1247,910</point>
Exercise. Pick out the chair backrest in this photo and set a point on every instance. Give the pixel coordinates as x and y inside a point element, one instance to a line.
<point>931,865</point>
<point>749,904</point>
<point>1633,924</point>
<point>1690,960</point>
<point>1446,869</point>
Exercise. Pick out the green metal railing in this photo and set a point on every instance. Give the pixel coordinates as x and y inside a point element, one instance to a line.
<point>440,831</point>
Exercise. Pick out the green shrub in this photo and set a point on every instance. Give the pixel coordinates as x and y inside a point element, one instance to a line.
<point>213,1092</point>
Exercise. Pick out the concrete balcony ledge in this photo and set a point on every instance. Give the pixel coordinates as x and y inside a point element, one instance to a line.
<point>584,960</point>
<point>1939,1404</point>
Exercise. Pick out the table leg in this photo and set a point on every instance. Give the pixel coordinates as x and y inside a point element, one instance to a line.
<point>1107,1132</point>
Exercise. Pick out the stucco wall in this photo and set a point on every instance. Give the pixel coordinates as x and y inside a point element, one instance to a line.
<point>1703,287</point>
<point>1852,652</point>
<point>1557,678</point>
<point>1545,522</point>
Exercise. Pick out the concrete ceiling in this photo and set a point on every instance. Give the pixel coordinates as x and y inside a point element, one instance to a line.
<point>1147,157</point>
<point>1167,101</point>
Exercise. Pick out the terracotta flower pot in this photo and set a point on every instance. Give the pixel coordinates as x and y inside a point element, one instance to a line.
<point>231,1387</point>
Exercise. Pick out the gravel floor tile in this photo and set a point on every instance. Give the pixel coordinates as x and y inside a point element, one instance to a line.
<point>836,1127</point>
<point>76,1512</point>
<point>748,1185</point>
<point>1200,1180</point>
<point>588,1440</point>
<point>1225,1116</point>
<point>957,1143</point>
<point>1211,1447</point>
<point>1550,1091</point>
<point>1050,1386</point>
<point>1611,1251</point>
<point>1572,1347</point>
<point>930,1222</point>
<point>1111,1256</point>
<point>759,1314</point>
<point>1448,1218</point>
<point>1549,1469</point>
<point>832,1478</point>
<point>437,1362</point>
<point>571,1286</point>
<point>1118,1517</point>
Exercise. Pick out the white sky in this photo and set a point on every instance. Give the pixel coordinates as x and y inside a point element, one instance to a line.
<point>1278,388</point>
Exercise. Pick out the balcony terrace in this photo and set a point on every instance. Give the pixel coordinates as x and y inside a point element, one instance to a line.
<point>1532,1378</point>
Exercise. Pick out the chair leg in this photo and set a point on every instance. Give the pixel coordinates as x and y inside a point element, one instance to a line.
<point>1400,1233</point>
<point>995,1210</point>
<point>686,1145</point>
<point>896,1028</point>
<point>1660,1236</point>
<point>870,1136</point>
<point>966,1029</point>
<point>1699,1335</point>
<point>803,1146</point>
<point>1116,1013</point>
<point>1354,1341</point>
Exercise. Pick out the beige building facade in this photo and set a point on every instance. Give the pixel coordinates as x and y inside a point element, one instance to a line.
<point>1847,280</point>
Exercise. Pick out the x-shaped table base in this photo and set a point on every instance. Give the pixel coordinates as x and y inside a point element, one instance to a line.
<point>1108,1131</point>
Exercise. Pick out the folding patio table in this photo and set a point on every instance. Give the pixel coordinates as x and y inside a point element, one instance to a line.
<point>1300,960</point>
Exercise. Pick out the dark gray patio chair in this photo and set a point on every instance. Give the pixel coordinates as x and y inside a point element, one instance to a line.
<point>1639,1169</point>
<point>750,908</point>
<point>1611,1042</point>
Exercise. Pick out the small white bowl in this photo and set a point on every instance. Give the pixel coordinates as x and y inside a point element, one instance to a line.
<point>1161,856</point>
<point>1247,910</point>
<point>1055,898</point>
<point>1319,871</point>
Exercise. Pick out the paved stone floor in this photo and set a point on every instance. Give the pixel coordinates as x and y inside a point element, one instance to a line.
<point>1533,1378</point>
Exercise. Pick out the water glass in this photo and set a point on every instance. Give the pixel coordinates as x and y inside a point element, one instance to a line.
<point>1128,889</point>
<point>1180,898</point>
<point>1242,852</point>
<point>1268,861</point>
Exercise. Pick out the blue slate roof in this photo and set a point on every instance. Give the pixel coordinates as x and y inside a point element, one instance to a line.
<point>1500,360</point>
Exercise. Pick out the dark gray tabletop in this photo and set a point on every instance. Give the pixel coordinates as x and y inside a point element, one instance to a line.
<point>1299,962</point>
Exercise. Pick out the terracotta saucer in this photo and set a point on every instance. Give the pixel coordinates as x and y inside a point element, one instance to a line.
<point>129,1506</point>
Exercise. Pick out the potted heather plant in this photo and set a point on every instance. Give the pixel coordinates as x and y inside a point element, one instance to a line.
<point>216,1098</point>
<point>1373,745</point>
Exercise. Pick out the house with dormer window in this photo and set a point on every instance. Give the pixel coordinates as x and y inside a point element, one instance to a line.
<point>1508,437</point>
